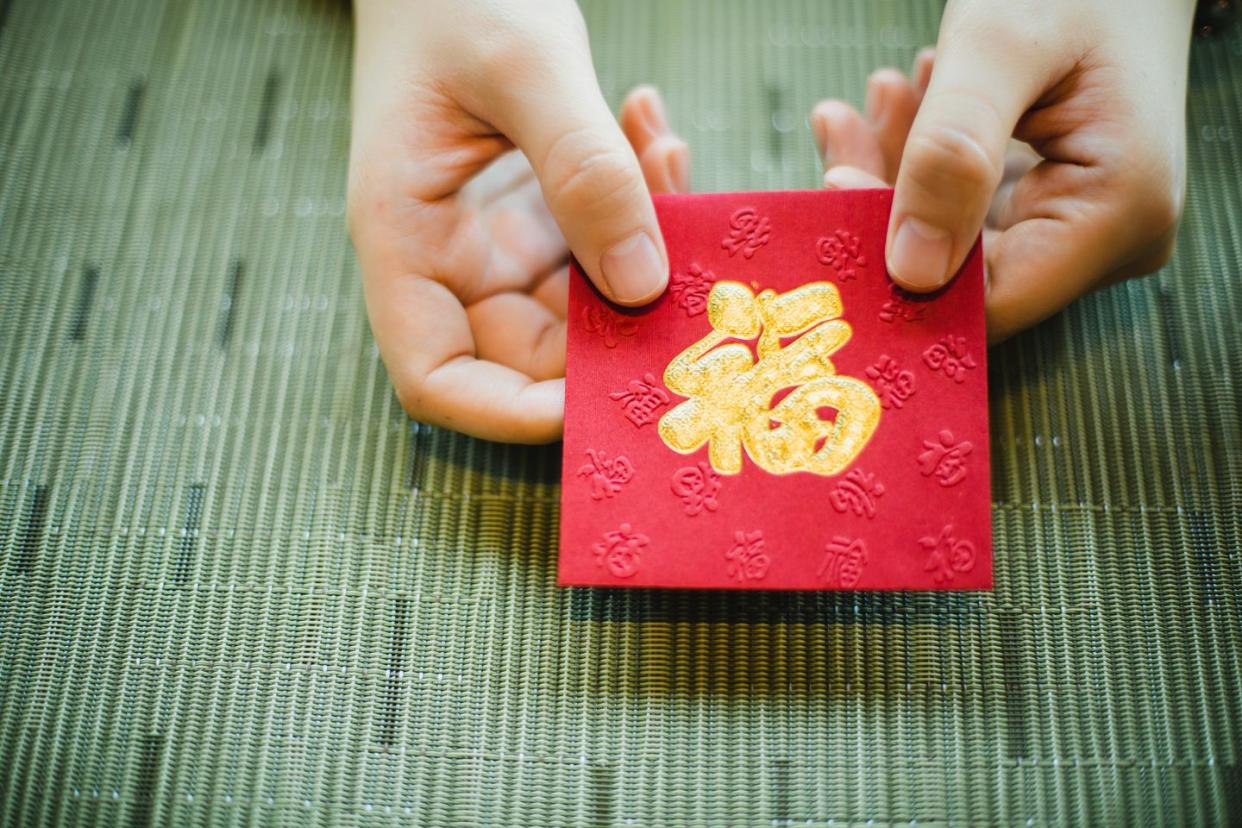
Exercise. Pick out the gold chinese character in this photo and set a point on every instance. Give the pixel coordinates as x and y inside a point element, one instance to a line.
<point>735,396</point>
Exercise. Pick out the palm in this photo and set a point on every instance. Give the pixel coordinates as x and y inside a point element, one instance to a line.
<point>467,284</point>
<point>502,257</point>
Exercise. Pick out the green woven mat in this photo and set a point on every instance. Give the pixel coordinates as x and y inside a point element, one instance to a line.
<point>237,586</point>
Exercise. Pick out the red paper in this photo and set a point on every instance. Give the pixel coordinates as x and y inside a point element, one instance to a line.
<point>830,434</point>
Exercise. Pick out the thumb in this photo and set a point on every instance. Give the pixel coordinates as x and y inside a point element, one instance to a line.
<point>592,182</point>
<point>955,153</point>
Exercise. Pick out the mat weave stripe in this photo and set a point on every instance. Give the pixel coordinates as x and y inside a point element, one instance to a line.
<point>237,586</point>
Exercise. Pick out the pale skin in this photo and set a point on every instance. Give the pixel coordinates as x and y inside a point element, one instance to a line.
<point>463,240</point>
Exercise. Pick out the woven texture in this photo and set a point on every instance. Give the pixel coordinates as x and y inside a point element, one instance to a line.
<point>238,586</point>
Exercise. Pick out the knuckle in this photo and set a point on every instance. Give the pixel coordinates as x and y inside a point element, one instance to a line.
<point>1153,205</point>
<point>583,175</point>
<point>509,56</point>
<point>1141,186</point>
<point>945,159</point>
<point>409,393</point>
<point>1163,253</point>
<point>1147,220</point>
<point>1160,235</point>
<point>1160,211</point>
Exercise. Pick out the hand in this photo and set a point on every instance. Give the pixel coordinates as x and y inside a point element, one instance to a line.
<point>1095,93</point>
<point>461,241</point>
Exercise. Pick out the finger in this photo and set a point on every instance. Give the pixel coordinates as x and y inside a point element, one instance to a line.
<point>1019,160</point>
<point>664,157</point>
<point>643,119</point>
<point>1071,228</point>
<point>1052,246</point>
<point>424,334</point>
<point>891,106</point>
<point>553,292</point>
<point>525,240</point>
<point>523,248</point>
<point>844,137</point>
<point>666,165</point>
<point>590,178</point>
<point>920,74</point>
<point>990,237</point>
<point>1035,268</point>
<point>494,402</point>
<point>508,172</point>
<point>518,331</point>
<point>954,155</point>
<point>851,178</point>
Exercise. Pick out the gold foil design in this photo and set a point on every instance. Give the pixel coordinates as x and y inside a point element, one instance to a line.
<point>730,391</point>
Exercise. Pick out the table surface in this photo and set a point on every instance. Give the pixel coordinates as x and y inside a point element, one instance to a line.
<point>238,585</point>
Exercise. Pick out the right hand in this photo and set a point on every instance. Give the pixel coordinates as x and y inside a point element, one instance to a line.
<point>463,242</point>
<point>1090,191</point>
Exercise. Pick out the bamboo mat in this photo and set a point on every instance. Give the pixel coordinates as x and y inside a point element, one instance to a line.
<point>238,586</point>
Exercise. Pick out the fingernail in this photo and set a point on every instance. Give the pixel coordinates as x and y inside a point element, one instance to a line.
<point>633,269</point>
<point>849,178</point>
<point>920,254</point>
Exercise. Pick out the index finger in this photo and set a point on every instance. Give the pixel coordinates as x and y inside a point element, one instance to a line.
<point>424,336</point>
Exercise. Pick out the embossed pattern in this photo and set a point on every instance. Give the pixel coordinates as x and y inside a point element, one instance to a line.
<point>747,559</point>
<point>857,493</point>
<point>844,561</point>
<point>775,412</point>
<point>842,252</point>
<point>945,458</point>
<point>950,357</point>
<point>947,555</point>
<point>608,325</point>
<point>690,288</point>
<point>697,486</point>
<point>900,307</point>
<point>641,400</point>
<point>606,475</point>
<point>748,231</point>
<point>893,384</point>
<point>620,551</point>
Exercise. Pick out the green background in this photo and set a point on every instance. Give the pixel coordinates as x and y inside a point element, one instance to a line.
<point>237,586</point>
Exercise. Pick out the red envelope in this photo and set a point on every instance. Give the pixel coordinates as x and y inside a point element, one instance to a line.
<point>783,417</point>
